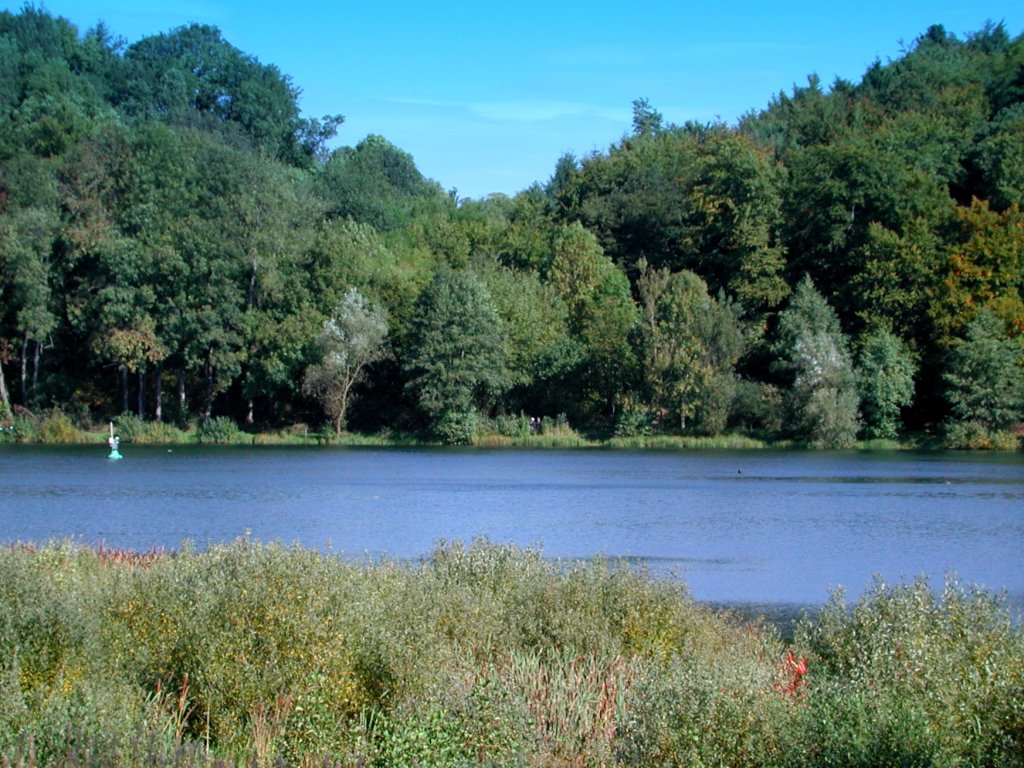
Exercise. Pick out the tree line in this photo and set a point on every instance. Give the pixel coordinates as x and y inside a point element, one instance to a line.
<point>178,242</point>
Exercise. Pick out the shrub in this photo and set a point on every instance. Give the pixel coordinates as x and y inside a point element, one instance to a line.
<point>129,427</point>
<point>481,655</point>
<point>973,435</point>
<point>456,427</point>
<point>634,419</point>
<point>57,428</point>
<point>221,430</point>
<point>22,428</point>
<point>909,677</point>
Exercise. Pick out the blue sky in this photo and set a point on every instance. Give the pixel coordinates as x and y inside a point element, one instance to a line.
<point>487,96</point>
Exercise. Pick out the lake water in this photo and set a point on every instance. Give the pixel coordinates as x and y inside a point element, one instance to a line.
<point>738,527</point>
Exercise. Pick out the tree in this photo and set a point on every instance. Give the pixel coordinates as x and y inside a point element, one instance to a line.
<point>192,76</point>
<point>985,269</point>
<point>26,245</point>
<point>646,119</point>
<point>607,329</point>
<point>886,382</point>
<point>984,375</point>
<point>673,364</point>
<point>737,199</point>
<point>352,339</point>
<point>377,183</point>
<point>999,157</point>
<point>538,349</point>
<point>455,362</point>
<point>691,343</point>
<point>822,401</point>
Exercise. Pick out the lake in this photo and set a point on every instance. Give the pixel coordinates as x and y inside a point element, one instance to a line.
<point>739,527</point>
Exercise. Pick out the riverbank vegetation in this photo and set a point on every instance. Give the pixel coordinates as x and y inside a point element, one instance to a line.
<point>251,654</point>
<point>177,242</point>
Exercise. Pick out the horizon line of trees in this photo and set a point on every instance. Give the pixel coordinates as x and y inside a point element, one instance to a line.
<point>178,242</point>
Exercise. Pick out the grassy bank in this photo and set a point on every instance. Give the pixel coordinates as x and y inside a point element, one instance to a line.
<point>481,655</point>
<point>58,428</point>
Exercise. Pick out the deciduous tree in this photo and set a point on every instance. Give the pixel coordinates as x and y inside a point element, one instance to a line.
<point>455,362</point>
<point>351,340</point>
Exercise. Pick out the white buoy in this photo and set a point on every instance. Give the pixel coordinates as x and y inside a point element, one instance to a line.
<point>113,441</point>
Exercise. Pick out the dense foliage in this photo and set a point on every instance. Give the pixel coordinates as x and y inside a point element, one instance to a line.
<point>484,655</point>
<point>176,241</point>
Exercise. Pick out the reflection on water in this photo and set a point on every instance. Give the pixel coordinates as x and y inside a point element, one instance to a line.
<point>739,527</point>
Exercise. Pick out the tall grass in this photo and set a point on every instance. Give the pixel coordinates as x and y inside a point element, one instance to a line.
<point>664,442</point>
<point>480,655</point>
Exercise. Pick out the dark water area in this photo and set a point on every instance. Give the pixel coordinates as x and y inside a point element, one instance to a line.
<point>772,530</point>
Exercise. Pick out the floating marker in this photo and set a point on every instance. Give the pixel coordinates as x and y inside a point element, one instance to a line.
<point>113,441</point>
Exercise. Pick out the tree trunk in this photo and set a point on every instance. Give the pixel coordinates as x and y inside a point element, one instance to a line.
<point>5,400</point>
<point>37,354</point>
<point>124,390</point>
<point>251,295</point>
<point>24,371</point>
<point>250,415</point>
<point>208,404</point>
<point>142,393</point>
<point>181,394</point>
<point>159,412</point>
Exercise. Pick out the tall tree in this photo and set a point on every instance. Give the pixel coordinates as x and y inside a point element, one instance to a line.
<point>822,399</point>
<point>984,375</point>
<point>886,379</point>
<point>691,343</point>
<point>27,239</point>
<point>455,363</point>
<point>377,183</point>
<point>192,76</point>
<point>351,339</point>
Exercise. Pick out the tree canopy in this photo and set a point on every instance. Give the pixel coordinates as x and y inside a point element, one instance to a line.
<point>178,240</point>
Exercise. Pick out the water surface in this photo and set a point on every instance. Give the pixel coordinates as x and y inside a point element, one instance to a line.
<point>751,526</point>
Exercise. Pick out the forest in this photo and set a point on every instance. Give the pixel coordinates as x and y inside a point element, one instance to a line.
<point>178,242</point>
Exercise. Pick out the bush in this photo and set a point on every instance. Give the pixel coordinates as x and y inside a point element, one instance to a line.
<point>634,419</point>
<point>480,655</point>
<point>221,430</point>
<point>757,406</point>
<point>911,677</point>
<point>57,428</point>
<point>973,435</point>
<point>131,429</point>
<point>513,426</point>
<point>456,427</point>
<point>22,428</point>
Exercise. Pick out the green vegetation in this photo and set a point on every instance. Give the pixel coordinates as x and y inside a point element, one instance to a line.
<point>247,654</point>
<point>177,243</point>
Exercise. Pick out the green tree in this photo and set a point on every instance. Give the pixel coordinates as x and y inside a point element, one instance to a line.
<point>377,183</point>
<point>984,375</point>
<point>538,350</point>
<point>886,379</point>
<point>192,76</point>
<point>455,362</point>
<point>351,339</point>
<point>999,157</point>
<point>27,239</point>
<point>822,400</point>
<point>737,197</point>
<point>576,268</point>
<point>608,322</point>
<point>691,343</point>
<point>602,318</point>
